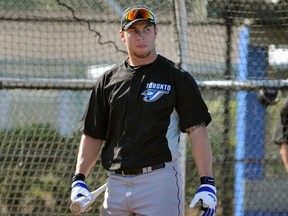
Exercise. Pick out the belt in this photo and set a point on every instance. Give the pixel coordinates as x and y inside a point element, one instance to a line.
<point>136,171</point>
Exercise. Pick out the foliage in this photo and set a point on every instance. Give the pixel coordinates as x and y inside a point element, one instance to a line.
<point>35,162</point>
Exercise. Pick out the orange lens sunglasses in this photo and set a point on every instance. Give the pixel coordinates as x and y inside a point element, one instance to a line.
<point>138,14</point>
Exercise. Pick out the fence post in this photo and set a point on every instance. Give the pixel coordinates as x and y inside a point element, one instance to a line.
<point>5,99</point>
<point>250,126</point>
<point>182,34</point>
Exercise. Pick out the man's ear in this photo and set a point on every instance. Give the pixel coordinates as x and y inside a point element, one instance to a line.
<point>122,36</point>
<point>156,30</point>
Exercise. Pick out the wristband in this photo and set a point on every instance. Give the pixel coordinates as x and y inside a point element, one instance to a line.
<point>207,180</point>
<point>78,176</point>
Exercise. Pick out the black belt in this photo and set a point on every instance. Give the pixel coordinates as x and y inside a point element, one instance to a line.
<point>136,171</point>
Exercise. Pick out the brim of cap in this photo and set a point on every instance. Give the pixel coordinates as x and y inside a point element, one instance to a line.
<point>132,22</point>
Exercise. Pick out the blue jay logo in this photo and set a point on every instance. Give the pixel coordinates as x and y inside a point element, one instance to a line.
<point>155,91</point>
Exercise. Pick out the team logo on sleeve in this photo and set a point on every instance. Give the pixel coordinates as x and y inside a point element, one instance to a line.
<point>154,91</point>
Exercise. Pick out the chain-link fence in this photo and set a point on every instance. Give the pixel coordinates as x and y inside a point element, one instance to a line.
<point>51,52</point>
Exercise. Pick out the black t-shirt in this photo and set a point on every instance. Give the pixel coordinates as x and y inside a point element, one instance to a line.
<point>140,113</point>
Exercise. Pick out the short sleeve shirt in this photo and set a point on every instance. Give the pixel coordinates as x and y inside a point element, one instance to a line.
<point>141,112</point>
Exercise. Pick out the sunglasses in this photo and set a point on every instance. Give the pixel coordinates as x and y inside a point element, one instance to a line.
<point>139,14</point>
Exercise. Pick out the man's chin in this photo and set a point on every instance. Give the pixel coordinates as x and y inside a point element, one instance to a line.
<point>142,55</point>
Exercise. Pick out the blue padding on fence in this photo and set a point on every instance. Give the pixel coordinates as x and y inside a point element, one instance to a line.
<point>250,126</point>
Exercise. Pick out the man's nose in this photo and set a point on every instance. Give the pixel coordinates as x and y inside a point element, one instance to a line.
<point>140,34</point>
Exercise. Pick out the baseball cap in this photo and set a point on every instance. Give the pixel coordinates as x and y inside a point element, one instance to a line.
<point>136,13</point>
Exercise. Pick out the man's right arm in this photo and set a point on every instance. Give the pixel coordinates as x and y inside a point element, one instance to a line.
<point>88,154</point>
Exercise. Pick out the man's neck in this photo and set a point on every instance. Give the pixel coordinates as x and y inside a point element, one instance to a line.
<point>141,61</point>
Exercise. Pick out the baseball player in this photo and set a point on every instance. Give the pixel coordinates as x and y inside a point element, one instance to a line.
<point>139,109</point>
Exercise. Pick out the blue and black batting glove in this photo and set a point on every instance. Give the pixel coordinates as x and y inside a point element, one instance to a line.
<point>80,188</point>
<point>206,197</point>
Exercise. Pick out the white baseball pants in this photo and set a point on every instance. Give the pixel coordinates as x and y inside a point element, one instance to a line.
<point>157,193</point>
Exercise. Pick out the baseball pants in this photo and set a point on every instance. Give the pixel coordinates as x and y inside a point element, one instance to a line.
<point>157,193</point>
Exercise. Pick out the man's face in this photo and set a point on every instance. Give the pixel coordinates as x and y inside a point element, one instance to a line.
<point>140,39</point>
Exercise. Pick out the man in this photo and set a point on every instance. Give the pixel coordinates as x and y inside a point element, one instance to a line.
<point>139,108</point>
<point>281,133</point>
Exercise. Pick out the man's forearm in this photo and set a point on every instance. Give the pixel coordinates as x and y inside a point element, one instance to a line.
<point>201,149</point>
<point>88,154</point>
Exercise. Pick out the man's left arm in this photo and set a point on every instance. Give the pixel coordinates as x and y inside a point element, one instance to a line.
<point>202,155</point>
<point>201,149</point>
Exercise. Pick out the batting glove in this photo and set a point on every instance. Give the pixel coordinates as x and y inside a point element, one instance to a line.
<point>206,196</point>
<point>80,188</point>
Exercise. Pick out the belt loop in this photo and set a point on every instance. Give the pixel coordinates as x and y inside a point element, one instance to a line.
<point>147,169</point>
